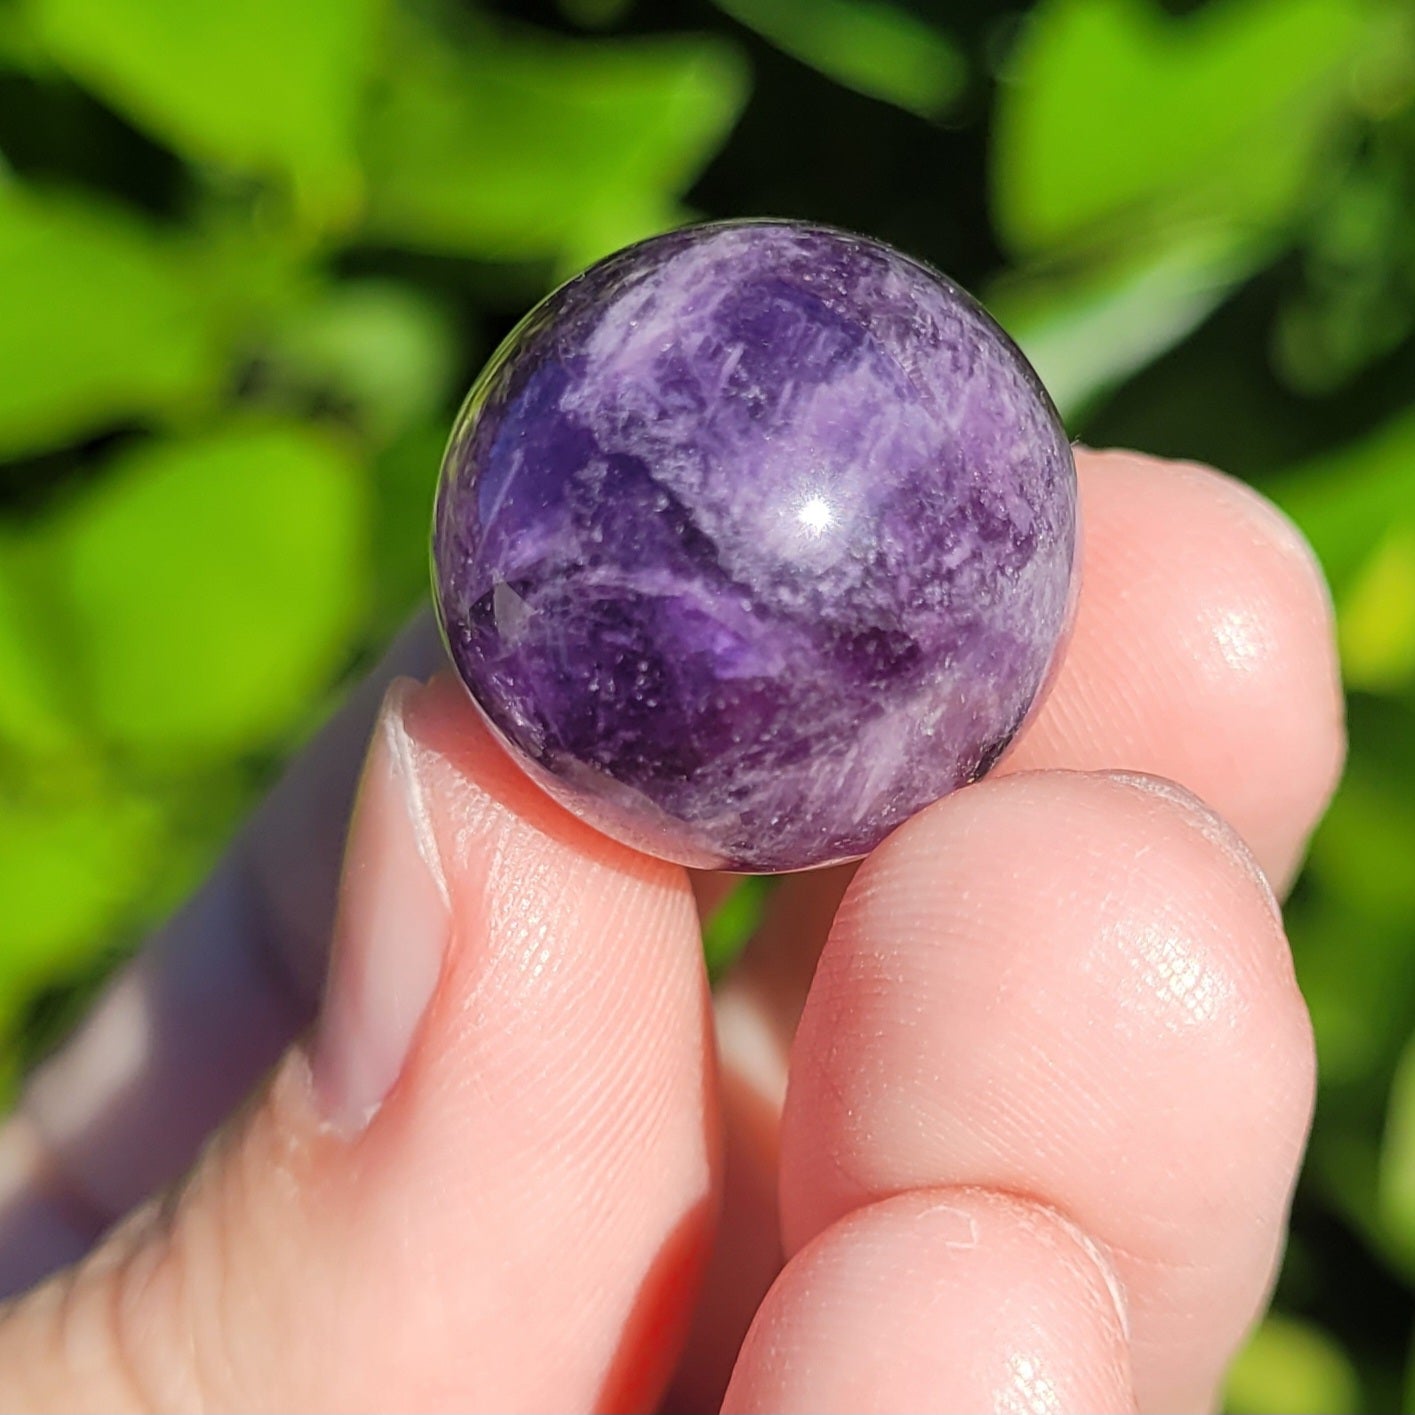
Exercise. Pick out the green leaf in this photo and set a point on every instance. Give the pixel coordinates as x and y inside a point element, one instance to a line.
<point>19,47</point>
<point>68,868</point>
<point>1377,615</point>
<point>612,225</point>
<point>1369,830</point>
<point>101,321</point>
<point>513,147</point>
<point>405,480</point>
<point>1350,923</point>
<point>214,586</point>
<point>1357,506</point>
<point>1351,963</point>
<point>1345,501</point>
<point>595,14</point>
<point>1291,1367</point>
<point>734,921</point>
<point>873,47</point>
<point>1087,330</point>
<point>1116,119</point>
<point>1356,299</point>
<point>259,86</point>
<point>1395,1189</point>
<point>382,348</point>
<point>34,718</point>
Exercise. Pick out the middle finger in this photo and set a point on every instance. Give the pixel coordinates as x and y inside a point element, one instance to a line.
<point>1202,652</point>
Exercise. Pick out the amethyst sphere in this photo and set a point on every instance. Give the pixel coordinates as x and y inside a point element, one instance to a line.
<point>754,539</point>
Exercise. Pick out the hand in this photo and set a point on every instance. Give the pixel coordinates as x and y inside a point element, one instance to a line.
<point>1045,1101</point>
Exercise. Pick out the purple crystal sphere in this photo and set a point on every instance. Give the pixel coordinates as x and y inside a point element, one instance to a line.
<point>754,539</point>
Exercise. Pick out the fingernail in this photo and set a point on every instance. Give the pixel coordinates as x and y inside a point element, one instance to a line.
<point>390,932</point>
<point>295,842</point>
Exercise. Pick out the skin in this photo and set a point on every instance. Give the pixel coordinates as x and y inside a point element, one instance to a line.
<point>1006,1117</point>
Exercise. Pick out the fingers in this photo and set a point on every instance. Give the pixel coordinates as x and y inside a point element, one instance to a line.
<point>485,1180</point>
<point>939,1300</point>
<point>756,1009</point>
<point>1203,651</point>
<point>1072,988</point>
<point>184,1031</point>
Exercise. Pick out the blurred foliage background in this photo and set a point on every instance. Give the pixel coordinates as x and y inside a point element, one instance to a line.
<point>252,252</point>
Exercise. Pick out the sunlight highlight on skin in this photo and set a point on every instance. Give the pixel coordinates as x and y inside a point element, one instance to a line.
<point>1032,1390</point>
<point>1191,990</point>
<point>1243,640</point>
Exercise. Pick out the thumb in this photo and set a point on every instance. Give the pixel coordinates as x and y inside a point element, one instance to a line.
<point>483,1181</point>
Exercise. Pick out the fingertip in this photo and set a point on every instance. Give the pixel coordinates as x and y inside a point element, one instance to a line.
<point>1072,986</point>
<point>948,1299</point>
<point>1286,644</point>
<point>1217,871</point>
<point>1203,651</point>
<point>446,726</point>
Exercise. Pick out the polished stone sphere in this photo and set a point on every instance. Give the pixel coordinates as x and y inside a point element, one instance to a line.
<point>753,540</point>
